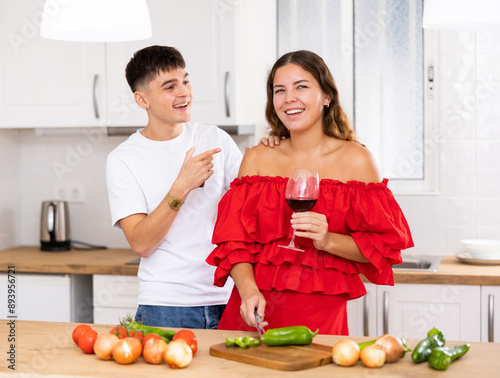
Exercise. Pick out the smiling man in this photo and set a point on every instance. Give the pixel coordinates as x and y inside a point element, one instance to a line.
<point>154,184</point>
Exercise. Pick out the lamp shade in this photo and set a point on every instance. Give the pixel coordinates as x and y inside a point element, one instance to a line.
<point>96,20</point>
<point>462,14</point>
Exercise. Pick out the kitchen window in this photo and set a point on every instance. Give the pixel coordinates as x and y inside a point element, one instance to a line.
<point>383,63</point>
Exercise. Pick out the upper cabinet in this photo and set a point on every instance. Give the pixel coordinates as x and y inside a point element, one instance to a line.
<point>46,83</point>
<point>229,46</point>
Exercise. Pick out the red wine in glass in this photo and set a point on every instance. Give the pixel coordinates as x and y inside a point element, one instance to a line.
<point>302,192</point>
<point>299,205</point>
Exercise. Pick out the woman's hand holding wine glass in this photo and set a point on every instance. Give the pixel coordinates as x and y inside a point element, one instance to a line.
<point>302,192</point>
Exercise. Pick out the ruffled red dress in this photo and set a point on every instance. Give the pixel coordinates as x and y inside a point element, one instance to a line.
<point>306,288</point>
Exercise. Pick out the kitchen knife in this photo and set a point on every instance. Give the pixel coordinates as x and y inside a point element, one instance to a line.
<point>259,328</point>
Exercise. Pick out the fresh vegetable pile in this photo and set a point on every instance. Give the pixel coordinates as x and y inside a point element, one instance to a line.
<point>130,340</point>
<point>374,353</point>
<point>432,349</point>
<point>388,348</point>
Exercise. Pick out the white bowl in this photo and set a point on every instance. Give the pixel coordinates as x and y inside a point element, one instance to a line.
<point>483,249</point>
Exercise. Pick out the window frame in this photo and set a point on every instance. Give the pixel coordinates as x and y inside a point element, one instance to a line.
<point>432,138</point>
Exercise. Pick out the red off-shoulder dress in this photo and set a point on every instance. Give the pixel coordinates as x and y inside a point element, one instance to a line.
<point>306,288</point>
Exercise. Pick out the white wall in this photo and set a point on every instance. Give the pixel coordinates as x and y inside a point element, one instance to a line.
<point>33,162</point>
<point>467,206</point>
<point>10,187</point>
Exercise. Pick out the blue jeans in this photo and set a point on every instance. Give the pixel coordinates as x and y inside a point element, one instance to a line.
<point>201,317</point>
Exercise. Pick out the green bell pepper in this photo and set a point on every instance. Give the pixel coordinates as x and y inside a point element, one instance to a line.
<point>424,348</point>
<point>442,357</point>
<point>296,335</point>
<point>242,341</point>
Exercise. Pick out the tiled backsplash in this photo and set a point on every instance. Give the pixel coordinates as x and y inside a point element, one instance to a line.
<point>468,205</point>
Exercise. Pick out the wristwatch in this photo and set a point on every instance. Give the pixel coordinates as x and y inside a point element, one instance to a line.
<point>175,203</point>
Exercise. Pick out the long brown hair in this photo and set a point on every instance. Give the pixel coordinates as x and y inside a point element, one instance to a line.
<point>335,122</point>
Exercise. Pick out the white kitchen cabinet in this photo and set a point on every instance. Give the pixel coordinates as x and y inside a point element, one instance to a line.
<point>47,83</point>
<point>411,310</point>
<point>49,297</point>
<point>490,313</point>
<point>228,47</point>
<point>115,297</point>
<point>361,313</point>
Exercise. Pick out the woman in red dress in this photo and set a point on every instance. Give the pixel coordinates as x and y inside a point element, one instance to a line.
<point>356,226</point>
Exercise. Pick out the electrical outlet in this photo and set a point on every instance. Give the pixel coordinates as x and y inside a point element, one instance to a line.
<point>69,192</point>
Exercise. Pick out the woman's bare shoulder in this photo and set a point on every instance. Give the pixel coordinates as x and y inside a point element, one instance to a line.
<point>361,163</point>
<point>254,160</point>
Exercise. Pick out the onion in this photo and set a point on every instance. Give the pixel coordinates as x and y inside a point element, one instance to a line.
<point>178,354</point>
<point>154,350</point>
<point>372,356</point>
<point>392,346</point>
<point>127,350</point>
<point>103,346</point>
<point>345,352</point>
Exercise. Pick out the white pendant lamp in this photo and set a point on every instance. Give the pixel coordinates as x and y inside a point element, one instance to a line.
<point>96,20</point>
<point>462,14</point>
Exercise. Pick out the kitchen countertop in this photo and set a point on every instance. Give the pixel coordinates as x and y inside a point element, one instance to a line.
<point>29,259</point>
<point>47,349</point>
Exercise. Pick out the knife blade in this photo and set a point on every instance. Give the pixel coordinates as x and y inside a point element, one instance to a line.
<point>259,328</point>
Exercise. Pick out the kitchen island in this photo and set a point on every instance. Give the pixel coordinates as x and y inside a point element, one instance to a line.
<point>47,349</point>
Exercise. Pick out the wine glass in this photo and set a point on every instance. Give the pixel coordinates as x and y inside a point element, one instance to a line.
<point>302,192</point>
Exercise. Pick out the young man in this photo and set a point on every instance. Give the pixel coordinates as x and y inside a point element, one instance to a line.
<point>154,180</point>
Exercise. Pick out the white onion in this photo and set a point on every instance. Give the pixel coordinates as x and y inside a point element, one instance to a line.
<point>178,354</point>
<point>392,346</point>
<point>372,356</point>
<point>345,352</point>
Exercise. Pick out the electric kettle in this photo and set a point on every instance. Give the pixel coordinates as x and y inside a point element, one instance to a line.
<point>54,226</point>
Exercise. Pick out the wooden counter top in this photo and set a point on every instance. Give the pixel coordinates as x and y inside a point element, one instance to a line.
<point>29,259</point>
<point>47,349</point>
<point>452,271</point>
<point>102,261</point>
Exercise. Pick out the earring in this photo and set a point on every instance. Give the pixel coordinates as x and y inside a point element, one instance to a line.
<point>327,105</point>
<point>147,107</point>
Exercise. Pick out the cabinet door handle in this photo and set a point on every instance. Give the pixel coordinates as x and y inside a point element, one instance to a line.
<point>385,314</point>
<point>491,318</point>
<point>366,327</point>
<point>227,94</point>
<point>95,96</point>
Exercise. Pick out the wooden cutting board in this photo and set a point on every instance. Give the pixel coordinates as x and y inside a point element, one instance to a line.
<point>290,357</point>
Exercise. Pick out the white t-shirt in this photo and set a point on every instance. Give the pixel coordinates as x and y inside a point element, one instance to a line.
<point>139,174</point>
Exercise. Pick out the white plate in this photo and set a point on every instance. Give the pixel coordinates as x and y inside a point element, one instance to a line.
<point>466,257</point>
<point>481,245</point>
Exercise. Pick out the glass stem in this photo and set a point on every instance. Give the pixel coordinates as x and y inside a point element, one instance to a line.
<point>292,240</point>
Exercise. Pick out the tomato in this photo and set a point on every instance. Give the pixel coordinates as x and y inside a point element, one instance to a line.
<point>189,337</point>
<point>154,351</point>
<point>121,333</point>
<point>137,334</point>
<point>150,336</point>
<point>127,350</point>
<point>78,331</point>
<point>87,341</point>
<point>103,346</point>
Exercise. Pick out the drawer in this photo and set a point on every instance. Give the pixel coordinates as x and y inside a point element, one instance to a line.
<point>115,291</point>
